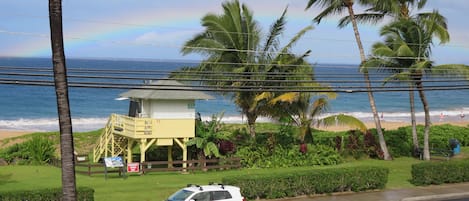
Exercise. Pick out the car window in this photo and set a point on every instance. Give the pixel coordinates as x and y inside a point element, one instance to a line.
<point>180,195</point>
<point>221,195</point>
<point>202,196</point>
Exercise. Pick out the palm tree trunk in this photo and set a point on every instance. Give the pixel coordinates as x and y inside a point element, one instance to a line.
<point>379,130</point>
<point>252,117</point>
<point>63,106</point>
<point>415,140</point>
<point>426,133</point>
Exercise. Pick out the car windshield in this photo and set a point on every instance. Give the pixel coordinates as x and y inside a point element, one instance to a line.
<point>180,195</point>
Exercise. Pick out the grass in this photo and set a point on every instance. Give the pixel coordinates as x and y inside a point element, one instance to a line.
<point>158,186</point>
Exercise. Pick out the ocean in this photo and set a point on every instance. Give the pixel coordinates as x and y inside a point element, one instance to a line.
<point>34,107</point>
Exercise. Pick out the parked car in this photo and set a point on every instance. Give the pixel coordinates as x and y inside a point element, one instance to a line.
<point>210,192</point>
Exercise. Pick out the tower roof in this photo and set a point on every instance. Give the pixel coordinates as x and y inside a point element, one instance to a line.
<point>159,91</point>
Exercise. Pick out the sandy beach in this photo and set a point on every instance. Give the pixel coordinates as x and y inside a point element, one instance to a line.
<point>388,125</point>
<point>12,133</point>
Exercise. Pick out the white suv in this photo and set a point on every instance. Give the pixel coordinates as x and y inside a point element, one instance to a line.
<point>207,193</point>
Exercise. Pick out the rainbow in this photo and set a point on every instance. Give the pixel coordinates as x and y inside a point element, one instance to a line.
<point>92,33</point>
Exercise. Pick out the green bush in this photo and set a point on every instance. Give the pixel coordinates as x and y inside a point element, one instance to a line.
<point>37,151</point>
<point>428,173</point>
<point>319,181</point>
<point>263,157</point>
<point>55,194</point>
<point>399,141</point>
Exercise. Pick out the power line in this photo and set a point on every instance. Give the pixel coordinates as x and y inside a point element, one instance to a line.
<point>219,89</point>
<point>207,78</point>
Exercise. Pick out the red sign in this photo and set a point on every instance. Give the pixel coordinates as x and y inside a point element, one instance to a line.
<point>133,167</point>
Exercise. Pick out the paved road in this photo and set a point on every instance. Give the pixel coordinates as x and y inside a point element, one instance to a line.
<point>447,192</point>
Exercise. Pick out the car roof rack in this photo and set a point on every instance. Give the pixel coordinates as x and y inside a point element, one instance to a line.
<point>219,184</point>
<point>195,185</point>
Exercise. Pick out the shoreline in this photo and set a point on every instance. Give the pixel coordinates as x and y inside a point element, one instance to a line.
<point>388,125</point>
<point>392,125</point>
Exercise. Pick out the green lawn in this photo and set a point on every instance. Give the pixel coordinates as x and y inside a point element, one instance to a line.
<point>158,186</point>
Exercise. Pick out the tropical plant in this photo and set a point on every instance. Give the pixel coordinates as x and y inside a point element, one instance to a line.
<point>207,135</point>
<point>408,45</point>
<point>332,7</point>
<point>299,109</point>
<point>232,43</point>
<point>63,106</point>
<point>39,150</point>
<point>401,10</point>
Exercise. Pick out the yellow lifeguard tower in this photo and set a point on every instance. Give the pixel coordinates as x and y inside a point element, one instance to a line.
<point>156,116</point>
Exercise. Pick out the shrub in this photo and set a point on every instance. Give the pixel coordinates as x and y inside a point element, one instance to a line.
<point>398,142</point>
<point>428,173</point>
<point>38,151</point>
<point>309,182</point>
<point>55,194</point>
<point>263,157</point>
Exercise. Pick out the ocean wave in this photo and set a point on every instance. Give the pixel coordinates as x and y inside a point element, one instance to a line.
<point>88,124</point>
<point>51,124</point>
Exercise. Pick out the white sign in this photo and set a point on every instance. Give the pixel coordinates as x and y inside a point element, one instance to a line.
<point>113,162</point>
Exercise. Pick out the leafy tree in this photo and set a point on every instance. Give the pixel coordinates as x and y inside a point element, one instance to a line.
<point>232,43</point>
<point>63,106</point>
<point>334,7</point>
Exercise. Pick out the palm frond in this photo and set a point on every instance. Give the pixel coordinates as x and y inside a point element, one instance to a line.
<point>271,43</point>
<point>318,107</point>
<point>365,18</point>
<point>295,39</point>
<point>288,97</point>
<point>344,120</point>
<point>451,70</point>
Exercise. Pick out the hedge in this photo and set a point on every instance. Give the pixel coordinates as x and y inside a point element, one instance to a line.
<point>83,194</point>
<point>310,182</point>
<point>428,173</point>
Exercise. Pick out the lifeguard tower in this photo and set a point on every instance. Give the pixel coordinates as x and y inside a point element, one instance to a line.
<point>157,116</point>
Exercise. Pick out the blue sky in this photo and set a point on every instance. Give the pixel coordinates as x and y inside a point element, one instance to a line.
<point>148,29</point>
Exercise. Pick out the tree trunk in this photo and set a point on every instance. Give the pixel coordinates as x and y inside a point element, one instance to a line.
<point>415,140</point>
<point>63,106</point>
<point>252,117</point>
<point>379,130</point>
<point>426,133</point>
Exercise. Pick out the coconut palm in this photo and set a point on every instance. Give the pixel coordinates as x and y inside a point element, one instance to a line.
<point>231,43</point>
<point>63,107</point>
<point>332,7</point>
<point>401,10</point>
<point>407,46</point>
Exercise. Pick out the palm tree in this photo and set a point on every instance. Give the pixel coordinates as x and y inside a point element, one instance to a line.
<point>336,7</point>
<point>231,43</point>
<point>63,107</point>
<point>298,108</point>
<point>408,45</point>
<point>400,10</point>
